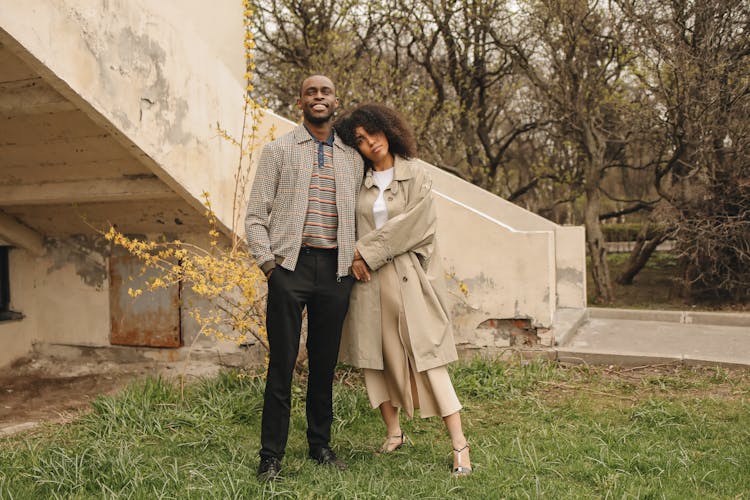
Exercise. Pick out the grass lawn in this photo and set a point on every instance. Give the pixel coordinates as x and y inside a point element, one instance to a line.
<point>657,286</point>
<point>537,429</point>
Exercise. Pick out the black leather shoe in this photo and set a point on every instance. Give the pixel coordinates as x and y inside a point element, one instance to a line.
<point>269,469</point>
<point>326,456</point>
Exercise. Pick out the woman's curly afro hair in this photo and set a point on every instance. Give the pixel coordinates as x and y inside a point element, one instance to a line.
<point>376,118</point>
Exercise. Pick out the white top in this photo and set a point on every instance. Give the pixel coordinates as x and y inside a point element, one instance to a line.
<point>382,180</point>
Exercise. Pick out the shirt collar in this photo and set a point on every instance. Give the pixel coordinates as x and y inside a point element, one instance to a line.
<point>327,142</point>
<point>401,172</point>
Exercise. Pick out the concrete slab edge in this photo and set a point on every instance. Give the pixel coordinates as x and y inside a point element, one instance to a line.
<point>639,359</point>
<point>17,428</point>
<point>125,354</point>
<point>686,317</point>
<point>567,323</point>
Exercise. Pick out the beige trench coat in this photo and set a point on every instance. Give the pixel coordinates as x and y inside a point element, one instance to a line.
<point>407,240</point>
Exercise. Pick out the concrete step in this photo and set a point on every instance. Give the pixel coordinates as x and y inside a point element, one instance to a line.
<point>641,337</point>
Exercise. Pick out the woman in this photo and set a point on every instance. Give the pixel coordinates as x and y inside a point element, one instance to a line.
<point>397,328</point>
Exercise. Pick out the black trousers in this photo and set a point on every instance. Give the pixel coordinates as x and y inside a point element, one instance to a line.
<point>313,284</point>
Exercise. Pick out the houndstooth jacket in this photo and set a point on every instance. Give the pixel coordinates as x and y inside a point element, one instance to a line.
<point>278,199</point>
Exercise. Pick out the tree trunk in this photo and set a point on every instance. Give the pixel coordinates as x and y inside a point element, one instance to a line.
<point>595,246</point>
<point>642,251</point>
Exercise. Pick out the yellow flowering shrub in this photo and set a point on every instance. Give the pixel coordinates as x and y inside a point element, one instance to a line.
<point>221,272</point>
<point>224,274</point>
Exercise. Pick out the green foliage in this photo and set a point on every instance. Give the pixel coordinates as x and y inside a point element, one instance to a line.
<point>536,429</point>
<point>658,260</point>
<point>628,231</point>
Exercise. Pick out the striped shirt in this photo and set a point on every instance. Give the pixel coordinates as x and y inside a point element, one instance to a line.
<point>277,206</point>
<point>321,219</point>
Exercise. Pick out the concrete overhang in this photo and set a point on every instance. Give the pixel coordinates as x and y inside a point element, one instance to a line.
<point>65,170</point>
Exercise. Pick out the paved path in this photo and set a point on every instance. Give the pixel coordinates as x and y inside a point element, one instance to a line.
<point>624,337</point>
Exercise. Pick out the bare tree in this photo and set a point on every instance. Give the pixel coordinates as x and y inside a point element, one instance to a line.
<point>297,38</point>
<point>445,64</point>
<point>696,61</point>
<point>463,46</point>
<point>579,67</point>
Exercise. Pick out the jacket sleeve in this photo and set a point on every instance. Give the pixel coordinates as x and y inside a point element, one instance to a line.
<point>260,205</point>
<point>412,230</point>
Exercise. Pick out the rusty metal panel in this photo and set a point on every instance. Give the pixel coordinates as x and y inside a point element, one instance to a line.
<point>151,319</point>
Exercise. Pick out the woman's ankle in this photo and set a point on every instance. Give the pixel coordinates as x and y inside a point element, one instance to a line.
<point>459,442</point>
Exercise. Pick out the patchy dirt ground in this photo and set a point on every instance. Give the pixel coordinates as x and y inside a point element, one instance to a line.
<point>33,391</point>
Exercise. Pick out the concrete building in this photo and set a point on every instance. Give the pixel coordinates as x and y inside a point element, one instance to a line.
<point>108,113</point>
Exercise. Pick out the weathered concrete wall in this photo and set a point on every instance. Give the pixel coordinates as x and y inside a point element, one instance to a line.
<point>159,75</point>
<point>570,260</point>
<point>218,24</point>
<point>17,336</point>
<point>568,241</point>
<point>507,274</point>
<point>62,295</point>
<point>489,204</point>
<point>72,292</point>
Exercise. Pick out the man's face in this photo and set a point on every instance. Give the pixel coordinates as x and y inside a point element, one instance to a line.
<point>317,99</point>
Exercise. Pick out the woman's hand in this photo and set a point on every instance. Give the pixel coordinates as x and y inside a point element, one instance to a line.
<point>360,270</point>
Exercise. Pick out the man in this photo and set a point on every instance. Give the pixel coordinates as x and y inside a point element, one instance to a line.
<point>300,228</point>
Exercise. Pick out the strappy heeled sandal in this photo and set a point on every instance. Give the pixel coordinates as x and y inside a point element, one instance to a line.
<point>460,470</point>
<point>390,440</point>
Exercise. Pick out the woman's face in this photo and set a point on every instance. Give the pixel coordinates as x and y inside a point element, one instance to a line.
<point>374,147</point>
